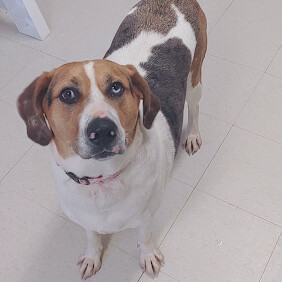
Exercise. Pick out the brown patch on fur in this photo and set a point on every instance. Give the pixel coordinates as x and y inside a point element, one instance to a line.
<point>200,51</point>
<point>127,106</point>
<point>63,118</point>
<point>30,109</point>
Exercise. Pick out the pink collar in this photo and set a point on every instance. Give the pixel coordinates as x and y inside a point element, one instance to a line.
<point>86,180</point>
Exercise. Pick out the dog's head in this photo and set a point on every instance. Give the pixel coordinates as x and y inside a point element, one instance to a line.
<point>92,108</point>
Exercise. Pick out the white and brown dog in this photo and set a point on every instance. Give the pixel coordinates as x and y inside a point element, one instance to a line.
<point>115,124</point>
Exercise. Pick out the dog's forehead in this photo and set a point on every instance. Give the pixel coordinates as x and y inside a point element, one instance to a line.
<point>98,72</point>
<point>107,71</point>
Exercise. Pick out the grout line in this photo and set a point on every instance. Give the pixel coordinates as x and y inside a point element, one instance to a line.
<point>216,118</point>
<point>34,48</point>
<point>16,163</point>
<point>227,8</point>
<point>270,257</point>
<point>10,80</point>
<point>45,53</point>
<point>236,63</point>
<point>273,75</point>
<point>140,276</point>
<point>269,139</point>
<point>182,182</point>
<point>255,88</point>
<point>214,155</point>
<point>272,59</point>
<point>195,187</point>
<point>250,213</point>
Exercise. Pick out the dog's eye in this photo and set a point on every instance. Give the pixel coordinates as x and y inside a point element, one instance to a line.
<point>116,89</point>
<point>69,96</point>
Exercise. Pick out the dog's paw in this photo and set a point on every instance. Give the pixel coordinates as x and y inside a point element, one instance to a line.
<point>151,262</point>
<point>192,143</point>
<point>88,265</point>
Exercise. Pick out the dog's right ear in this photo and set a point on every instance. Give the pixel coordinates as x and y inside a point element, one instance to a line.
<point>31,111</point>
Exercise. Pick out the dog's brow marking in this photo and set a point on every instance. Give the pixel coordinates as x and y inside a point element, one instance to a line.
<point>89,70</point>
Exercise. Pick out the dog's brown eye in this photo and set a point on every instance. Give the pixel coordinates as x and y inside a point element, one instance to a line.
<point>116,89</point>
<point>69,96</point>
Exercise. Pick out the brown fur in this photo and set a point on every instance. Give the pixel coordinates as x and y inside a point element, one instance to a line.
<point>201,48</point>
<point>64,119</point>
<point>30,109</point>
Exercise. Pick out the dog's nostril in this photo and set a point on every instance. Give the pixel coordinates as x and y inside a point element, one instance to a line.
<point>101,131</point>
<point>112,134</point>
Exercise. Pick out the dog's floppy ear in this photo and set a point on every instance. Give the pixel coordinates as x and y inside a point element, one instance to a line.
<point>31,111</point>
<point>151,104</point>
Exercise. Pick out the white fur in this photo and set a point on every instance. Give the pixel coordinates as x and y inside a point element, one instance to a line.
<point>129,200</point>
<point>132,10</point>
<point>192,140</point>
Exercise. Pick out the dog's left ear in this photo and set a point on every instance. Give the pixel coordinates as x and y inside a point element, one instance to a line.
<point>151,104</point>
<point>31,110</point>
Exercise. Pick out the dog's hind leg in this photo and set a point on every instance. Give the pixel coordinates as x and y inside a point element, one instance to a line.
<point>192,140</point>
<point>151,259</point>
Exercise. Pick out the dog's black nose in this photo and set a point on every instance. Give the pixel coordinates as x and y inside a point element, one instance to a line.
<point>102,132</point>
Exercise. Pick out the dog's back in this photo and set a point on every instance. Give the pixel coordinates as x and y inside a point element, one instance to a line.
<point>160,39</point>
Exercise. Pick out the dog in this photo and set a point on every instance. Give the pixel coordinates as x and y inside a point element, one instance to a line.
<point>114,125</point>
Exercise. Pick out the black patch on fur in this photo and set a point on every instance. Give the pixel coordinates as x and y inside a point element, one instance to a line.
<point>49,96</point>
<point>167,70</point>
<point>127,31</point>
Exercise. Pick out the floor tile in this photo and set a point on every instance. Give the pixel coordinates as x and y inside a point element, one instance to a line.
<point>32,70</point>
<point>161,278</point>
<point>13,140</point>
<point>213,241</point>
<point>263,112</point>
<point>13,57</point>
<point>88,38</point>
<point>276,65</point>
<point>273,272</point>
<point>61,257</point>
<point>32,178</point>
<point>174,198</point>
<point>249,33</point>
<point>189,169</point>
<point>246,172</point>
<point>226,88</point>
<point>214,10</point>
<point>26,232</point>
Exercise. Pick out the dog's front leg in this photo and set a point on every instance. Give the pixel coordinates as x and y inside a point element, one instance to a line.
<point>90,261</point>
<point>151,259</point>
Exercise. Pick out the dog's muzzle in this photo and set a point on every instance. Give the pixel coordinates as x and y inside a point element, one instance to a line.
<point>102,134</point>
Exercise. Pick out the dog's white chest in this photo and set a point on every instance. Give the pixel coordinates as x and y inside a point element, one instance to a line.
<point>130,199</point>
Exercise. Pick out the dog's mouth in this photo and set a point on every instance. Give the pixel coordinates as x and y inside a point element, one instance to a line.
<point>106,155</point>
<point>87,152</point>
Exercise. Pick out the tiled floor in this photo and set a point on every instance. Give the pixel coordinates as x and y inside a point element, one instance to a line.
<point>221,218</point>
